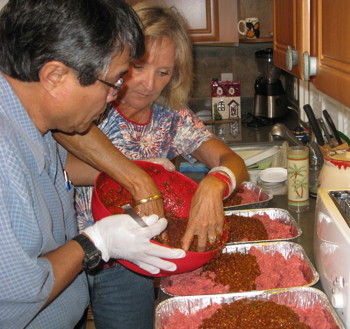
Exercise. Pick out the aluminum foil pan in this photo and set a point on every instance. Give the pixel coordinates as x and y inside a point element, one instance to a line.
<point>264,198</point>
<point>286,248</point>
<point>275,214</point>
<point>304,297</point>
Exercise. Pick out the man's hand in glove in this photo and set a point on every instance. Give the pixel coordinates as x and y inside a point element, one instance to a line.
<point>120,237</point>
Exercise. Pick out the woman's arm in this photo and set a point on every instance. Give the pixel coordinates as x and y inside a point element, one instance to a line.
<point>207,213</point>
<point>96,150</point>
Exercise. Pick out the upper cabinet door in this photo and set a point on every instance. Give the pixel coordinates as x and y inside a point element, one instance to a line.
<point>331,47</point>
<point>209,21</point>
<point>291,34</point>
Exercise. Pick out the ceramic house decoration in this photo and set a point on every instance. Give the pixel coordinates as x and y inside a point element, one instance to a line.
<point>226,99</point>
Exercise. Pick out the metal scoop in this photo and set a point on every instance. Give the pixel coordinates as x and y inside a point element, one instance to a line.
<point>136,217</point>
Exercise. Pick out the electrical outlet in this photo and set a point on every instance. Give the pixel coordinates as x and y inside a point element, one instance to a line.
<point>226,76</point>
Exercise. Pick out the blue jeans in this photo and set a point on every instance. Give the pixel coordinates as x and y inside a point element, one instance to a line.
<point>121,299</point>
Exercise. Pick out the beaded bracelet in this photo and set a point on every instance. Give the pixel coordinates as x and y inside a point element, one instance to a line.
<point>149,199</point>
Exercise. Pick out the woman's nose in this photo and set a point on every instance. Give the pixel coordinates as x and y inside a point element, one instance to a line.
<point>148,81</point>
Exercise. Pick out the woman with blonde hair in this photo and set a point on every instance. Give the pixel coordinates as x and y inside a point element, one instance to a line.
<point>150,120</point>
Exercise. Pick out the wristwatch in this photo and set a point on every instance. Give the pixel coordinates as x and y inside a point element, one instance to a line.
<point>92,254</point>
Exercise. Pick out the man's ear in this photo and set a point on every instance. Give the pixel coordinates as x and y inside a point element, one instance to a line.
<point>53,75</point>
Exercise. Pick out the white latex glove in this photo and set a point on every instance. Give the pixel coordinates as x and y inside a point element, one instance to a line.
<point>164,162</point>
<point>120,237</point>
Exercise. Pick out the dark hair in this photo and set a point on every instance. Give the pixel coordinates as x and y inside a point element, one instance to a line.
<point>82,34</point>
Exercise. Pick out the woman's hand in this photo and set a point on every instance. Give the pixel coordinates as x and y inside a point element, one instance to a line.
<point>207,213</point>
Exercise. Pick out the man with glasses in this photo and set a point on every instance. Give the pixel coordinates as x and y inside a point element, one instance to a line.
<point>61,62</point>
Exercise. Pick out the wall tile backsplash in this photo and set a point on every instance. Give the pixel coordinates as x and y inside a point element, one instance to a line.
<point>211,61</point>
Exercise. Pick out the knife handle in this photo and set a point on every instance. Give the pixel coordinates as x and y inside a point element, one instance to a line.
<point>314,124</point>
<point>325,130</point>
<point>332,126</point>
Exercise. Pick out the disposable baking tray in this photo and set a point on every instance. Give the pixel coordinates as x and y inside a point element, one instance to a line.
<point>264,198</point>
<point>279,214</point>
<point>286,248</point>
<point>304,297</point>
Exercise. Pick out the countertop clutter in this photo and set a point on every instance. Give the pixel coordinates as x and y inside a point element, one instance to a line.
<point>237,134</point>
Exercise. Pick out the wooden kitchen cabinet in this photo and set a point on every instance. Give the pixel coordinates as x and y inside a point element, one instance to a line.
<point>331,47</point>
<point>210,21</point>
<point>291,32</point>
<point>317,33</point>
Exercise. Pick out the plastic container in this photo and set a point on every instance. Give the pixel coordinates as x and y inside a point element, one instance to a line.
<point>177,191</point>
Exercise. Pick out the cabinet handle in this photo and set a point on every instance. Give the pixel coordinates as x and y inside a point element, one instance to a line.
<point>292,58</point>
<point>309,66</point>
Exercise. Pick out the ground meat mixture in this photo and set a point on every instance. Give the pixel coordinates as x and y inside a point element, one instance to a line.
<point>242,195</point>
<point>176,229</point>
<point>277,271</point>
<point>256,228</point>
<point>317,317</point>
<point>235,272</point>
<point>245,229</point>
<point>249,314</point>
<point>276,229</point>
<point>241,314</point>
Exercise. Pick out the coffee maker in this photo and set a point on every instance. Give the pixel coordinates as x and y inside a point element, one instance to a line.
<point>270,98</point>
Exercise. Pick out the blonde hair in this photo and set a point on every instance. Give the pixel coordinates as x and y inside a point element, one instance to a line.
<point>159,21</point>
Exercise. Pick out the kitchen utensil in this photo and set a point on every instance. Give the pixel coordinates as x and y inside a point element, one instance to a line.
<point>344,137</point>
<point>279,130</point>
<point>135,216</point>
<point>314,124</point>
<point>331,247</point>
<point>330,122</point>
<point>177,190</point>
<point>315,164</point>
<point>325,131</point>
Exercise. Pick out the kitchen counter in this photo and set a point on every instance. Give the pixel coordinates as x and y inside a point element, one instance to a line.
<point>250,135</point>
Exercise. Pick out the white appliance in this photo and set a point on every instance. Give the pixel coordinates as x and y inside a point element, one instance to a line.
<point>332,248</point>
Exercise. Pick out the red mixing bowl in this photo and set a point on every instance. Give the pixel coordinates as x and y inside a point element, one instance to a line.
<point>177,191</point>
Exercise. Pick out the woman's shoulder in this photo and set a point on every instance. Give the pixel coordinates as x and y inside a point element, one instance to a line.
<point>166,111</point>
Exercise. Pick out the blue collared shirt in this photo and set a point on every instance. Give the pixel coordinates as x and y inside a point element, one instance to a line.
<point>36,217</point>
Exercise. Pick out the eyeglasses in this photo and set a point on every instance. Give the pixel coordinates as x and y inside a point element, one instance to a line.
<point>116,86</point>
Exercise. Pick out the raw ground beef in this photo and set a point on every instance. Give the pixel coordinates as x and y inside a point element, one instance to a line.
<point>242,195</point>
<point>278,272</point>
<point>314,317</point>
<point>247,195</point>
<point>190,321</point>
<point>275,272</point>
<point>275,228</point>
<point>256,228</point>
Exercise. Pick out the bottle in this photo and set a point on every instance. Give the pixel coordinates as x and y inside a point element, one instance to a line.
<point>298,178</point>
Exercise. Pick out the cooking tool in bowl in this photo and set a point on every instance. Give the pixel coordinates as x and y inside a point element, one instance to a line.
<point>134,215</point>
<point>177,190</point>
